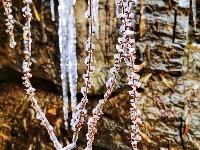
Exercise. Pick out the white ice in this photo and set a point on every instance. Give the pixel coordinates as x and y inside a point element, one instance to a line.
<point>52,10</point>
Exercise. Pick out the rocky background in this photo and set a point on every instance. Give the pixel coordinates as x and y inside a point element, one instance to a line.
<point>170,69</point>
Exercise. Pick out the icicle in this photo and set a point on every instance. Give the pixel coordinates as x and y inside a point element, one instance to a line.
<point>52,10</point>
<point>72,60</point>
<point>95,6</point>
<point>9,22</point>
<point>63,12</point>
<point>67,45</point>
<point>117,8</point>
<point>194,13</point>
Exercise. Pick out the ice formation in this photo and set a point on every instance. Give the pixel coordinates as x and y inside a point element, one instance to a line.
<point>67,35</point>
<point>95,16</point>
<point>52,10</point>
<point>62,32</point>
<point>194,13</point>
<point>72,60</point>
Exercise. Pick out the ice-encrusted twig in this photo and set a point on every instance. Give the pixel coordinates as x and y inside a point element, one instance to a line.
<point>126,50</point>
<point>133,78</point>
<point>97,111</point>
<point>30,91</point>
<point>10,22</point>
<point>81,111</point>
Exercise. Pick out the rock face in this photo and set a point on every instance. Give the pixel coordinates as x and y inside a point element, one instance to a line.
<point>166,49</point>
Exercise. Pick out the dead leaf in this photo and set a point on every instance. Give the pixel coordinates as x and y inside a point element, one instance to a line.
<point>187,122</point>
<point>165,81</point>
<point>146,78</point>
<point>145,137</point>
<point>169,27</point>
<point>52,111</point>
<point>37,16</point>
<point>5,137</point>
<point>147,125</point>
<point>142,65</point>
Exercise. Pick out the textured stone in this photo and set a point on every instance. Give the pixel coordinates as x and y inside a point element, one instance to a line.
<point>167,53</point>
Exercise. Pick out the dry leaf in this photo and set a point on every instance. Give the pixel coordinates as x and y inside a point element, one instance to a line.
<point>165,81</point>
<point>187,122</point>
<point>142,65</point>
<point>52,111</point>
<point>169,27</point>
<point>37,16</point>
<point>146,78</point>
<point>145,137</point>
<point>4,6</point>
<point>5,137</point>
<point>147,125</point>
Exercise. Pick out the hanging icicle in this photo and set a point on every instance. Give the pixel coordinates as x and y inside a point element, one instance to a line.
<point>72,60</point>
<point>194,13</point>
<point>96,16</point>
<point>67,45</point>
<point>63,11</point>
<point>9,22</point>
<point>117,8</point>
<point>52,10</point>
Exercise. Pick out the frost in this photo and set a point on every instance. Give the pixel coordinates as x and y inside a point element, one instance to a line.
<point>91,69</point>
<point>83,90</point>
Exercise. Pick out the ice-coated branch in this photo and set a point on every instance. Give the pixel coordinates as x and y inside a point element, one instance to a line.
<point>10,22</point>
<point>81,111</point>
<point>30,91</point>
<point>97,111</point>
<point>126,51</point>
<point>128,44</point>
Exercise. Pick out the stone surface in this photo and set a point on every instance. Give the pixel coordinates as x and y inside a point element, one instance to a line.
<point>170,79</point>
